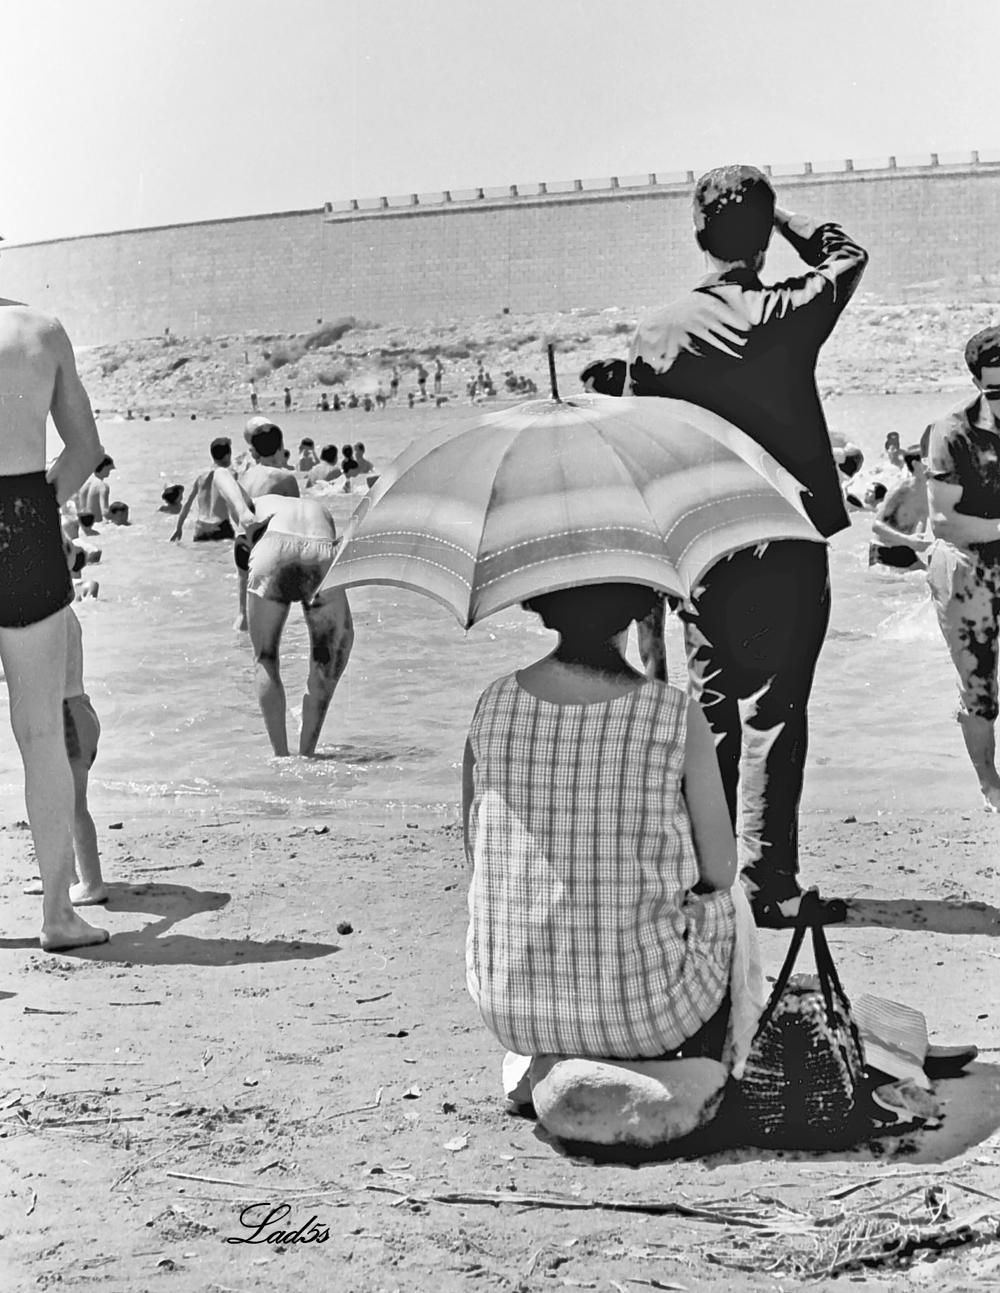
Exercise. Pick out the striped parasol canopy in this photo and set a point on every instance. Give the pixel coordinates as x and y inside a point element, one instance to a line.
<point>557,493</point>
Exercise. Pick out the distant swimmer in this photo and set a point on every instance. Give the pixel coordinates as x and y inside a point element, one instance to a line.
<point>95,491</point>
<point>327,468</point>
<point>364,466</point>
<point>849,462</point>
<point>266,474</point>
<point>900,527</point>
<point>173,497</point>
<point>212,515</point>
<point>307,454</point>
<point>288,563</point>
<point>118,513</point>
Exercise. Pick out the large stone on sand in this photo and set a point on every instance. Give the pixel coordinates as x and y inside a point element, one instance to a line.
<point>638,1103</point>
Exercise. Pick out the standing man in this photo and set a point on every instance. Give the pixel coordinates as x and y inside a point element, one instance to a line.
<point>266,474</point>
<point>756,624</point>
<point>38,377</point>
<point>964,567</point>
<point>211,520</point>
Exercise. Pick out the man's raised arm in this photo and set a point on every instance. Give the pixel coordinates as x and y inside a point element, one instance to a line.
<point>837,262</point>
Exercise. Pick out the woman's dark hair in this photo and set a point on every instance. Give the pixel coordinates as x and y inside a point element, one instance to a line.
<point>595,611</point>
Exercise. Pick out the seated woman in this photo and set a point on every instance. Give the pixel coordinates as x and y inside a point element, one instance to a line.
<point>603,913</point>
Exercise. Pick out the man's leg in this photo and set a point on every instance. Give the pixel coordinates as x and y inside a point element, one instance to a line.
<point>331,637</point>
<point>712,681</point>
<point>266,619</point>
<point>787,603</point>
<point>34,661</point>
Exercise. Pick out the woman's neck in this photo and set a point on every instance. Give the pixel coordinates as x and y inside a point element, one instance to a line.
<point>605,657</point>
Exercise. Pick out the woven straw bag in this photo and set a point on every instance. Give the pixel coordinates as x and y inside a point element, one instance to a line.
<point>804,1078</point>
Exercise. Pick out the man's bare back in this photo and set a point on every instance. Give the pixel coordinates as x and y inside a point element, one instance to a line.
<point>261,479</point>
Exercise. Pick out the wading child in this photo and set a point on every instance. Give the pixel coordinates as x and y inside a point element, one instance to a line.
<point>82,730</point>
<point>603,916</point>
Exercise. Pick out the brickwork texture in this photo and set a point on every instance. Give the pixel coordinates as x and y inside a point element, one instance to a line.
<point>631,247</point>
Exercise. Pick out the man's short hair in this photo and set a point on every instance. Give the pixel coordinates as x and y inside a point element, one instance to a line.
<point>912,455</point>
<point>106,461</point>
<point>118,508</point>
<point>266,440</point>
<point>329,453</point>
<point>983,351</point>
<point>733,212</point>
<point>221,447</point>
<point>311,443</point>
<point>86,519</point>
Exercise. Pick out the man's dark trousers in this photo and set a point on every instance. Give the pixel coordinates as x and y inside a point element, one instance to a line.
<point>753,637</point>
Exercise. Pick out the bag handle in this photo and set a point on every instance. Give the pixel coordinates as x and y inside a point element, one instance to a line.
<point>828,978</point>
<point>784,974</point>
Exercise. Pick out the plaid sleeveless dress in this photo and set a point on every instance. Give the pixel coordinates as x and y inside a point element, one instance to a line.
<point>584,938</point>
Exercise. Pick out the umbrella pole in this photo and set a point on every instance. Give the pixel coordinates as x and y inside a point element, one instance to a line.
<point>552,373</point>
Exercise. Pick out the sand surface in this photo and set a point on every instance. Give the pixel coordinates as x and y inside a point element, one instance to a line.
<point>281,1018</point>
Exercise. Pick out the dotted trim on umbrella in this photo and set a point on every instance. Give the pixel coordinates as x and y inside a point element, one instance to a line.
<point>531,565</point>
<point>378,535</point>
<point>407,556</point>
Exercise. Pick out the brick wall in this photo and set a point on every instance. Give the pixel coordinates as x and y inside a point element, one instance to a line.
<point>629,245</point>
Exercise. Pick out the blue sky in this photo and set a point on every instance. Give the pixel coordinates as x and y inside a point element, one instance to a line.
<point>123,113</point>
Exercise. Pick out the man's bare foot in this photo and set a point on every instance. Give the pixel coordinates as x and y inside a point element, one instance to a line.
<point>87,895</point>
<point>71,931</point>
<point>991,798</point>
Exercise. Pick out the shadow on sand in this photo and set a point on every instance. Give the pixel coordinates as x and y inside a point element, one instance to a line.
<point>971,1116</point>
<point>169,904</point>
<point>925,914</point>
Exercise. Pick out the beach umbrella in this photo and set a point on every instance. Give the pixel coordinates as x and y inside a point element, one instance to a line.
<point>554,493</point>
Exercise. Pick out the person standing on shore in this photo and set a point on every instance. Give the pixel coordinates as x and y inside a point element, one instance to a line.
<point>38,378</point>
<point>964,567</point>
<point>748,353</point>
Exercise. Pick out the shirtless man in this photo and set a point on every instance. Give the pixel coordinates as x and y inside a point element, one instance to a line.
<point>900,525</point>
<point>267,474</point>
<point>288,562</point>
<point>212,516</point>
<point>38,377</point>
<point>95,491</point>
<point>327,468</point>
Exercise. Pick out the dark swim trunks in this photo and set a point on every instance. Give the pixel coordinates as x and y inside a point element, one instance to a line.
<point>901,557</point>
<point>223,530</point>
<point>34,579</point>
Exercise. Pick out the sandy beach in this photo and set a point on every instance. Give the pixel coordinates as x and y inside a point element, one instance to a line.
<point>281,1018</point>
<point>278,1037</point>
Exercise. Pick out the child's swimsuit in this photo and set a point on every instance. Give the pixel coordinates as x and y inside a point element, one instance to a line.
<point>34,579</point>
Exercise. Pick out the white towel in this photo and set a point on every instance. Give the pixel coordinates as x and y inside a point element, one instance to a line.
<point>746,982</point>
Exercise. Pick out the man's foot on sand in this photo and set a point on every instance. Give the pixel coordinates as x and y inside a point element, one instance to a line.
<point>71,931</point>
<point>87,895</point>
